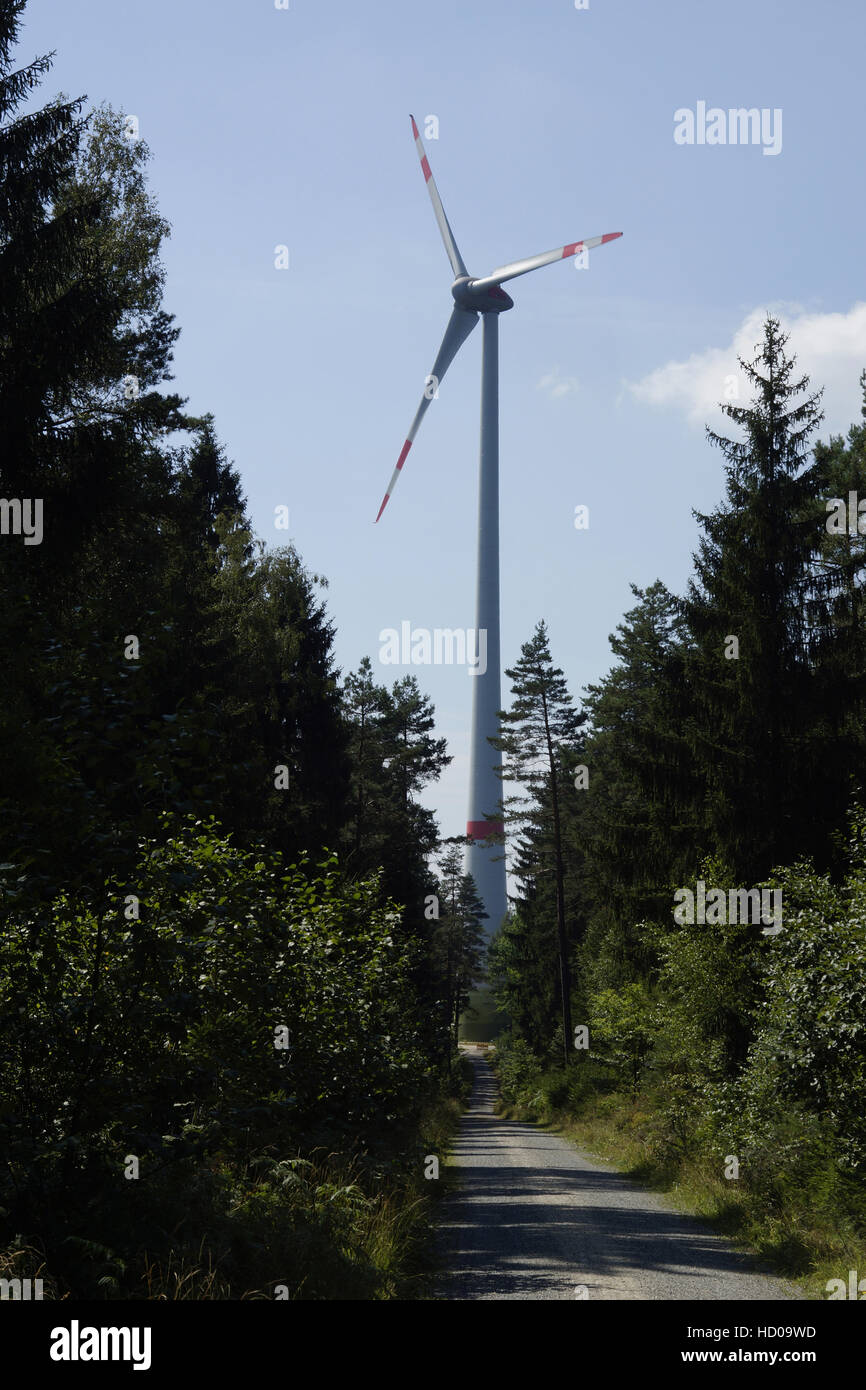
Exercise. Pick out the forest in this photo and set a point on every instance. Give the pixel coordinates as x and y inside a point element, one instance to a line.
<point>233,947</point>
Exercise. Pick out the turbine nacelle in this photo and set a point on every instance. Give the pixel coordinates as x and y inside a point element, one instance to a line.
<point>491,299</point>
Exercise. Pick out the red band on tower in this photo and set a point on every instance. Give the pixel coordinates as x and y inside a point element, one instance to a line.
<point>482,829</point>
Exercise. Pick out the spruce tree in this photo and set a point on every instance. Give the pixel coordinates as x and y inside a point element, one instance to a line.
<point>540,737</point>
<point>393,756</point>
<point>364,706</point>
<point>631,831</point>
<point>459,939</point>
<point>839,619</point>
<point>747,614</point>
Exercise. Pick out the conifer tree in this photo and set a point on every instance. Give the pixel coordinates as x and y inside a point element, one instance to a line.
<point>747,613</point>
<point>459,938</point>
<point>839,620</point>
<point>394,756</point>
<point>539,738</point>
<point>631,830</point>
<point>364,706</point>
<point>523,967</point>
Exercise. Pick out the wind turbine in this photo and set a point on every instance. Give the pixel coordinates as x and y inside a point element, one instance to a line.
<point>484,297</point>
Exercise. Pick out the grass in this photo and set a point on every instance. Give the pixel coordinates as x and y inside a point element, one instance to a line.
<point>26,1262</point>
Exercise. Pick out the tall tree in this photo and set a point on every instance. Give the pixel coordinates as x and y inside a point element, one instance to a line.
<point>394,756</point>
<point>839,619</point>
<point>747,616</point>
<point>280,713</point>
<point>540,738</point>
<point>459,938</point>
<point>79,310</point>
<point>631,830</point>
<point>365,705</point>
<point>522,968</point>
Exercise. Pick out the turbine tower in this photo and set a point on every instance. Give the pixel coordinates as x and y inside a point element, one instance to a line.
<point>485,297</point>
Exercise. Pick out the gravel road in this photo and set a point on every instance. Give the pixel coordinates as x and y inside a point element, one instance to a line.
<point>533,1217</point>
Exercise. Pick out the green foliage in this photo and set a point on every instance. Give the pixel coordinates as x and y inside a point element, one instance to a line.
<point>458,940</point>
<point>749,718</point>
<point>172,676</point>
<point>811,1039</point>
<point>156,1036</point>
<point>630,832</point>
<point>539,740</point>
<point>623,1024</point>
<point>393,757</point>
<point>518,1071</point>
<point>521,967</point>
<point>720,1039</point>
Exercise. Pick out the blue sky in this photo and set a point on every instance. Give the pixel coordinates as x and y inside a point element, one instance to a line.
<point>291,127</point>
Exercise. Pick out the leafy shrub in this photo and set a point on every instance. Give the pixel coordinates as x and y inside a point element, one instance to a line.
<point>518,1070</point>
<point>623,1026</point>
<point>811,1042</point>
<point>154,1036</point>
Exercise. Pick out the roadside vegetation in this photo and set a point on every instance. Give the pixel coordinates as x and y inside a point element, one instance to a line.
<point>233,946</point>
<point>684,968</point>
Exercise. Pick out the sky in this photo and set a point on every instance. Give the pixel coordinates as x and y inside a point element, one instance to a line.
<point>289,127</point>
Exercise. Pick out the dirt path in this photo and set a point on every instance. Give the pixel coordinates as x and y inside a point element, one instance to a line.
<point>535,1218</point>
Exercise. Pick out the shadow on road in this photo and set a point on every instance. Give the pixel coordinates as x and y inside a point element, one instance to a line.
<point>533,1218</point>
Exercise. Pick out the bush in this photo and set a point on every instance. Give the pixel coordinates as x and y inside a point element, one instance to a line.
<point>153,1035</point>
<point>518,1071</point>
<point>811,1039</point>
<point>623,1026</point>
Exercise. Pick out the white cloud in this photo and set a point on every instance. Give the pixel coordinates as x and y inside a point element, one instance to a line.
<point>830,349</point>
<point>556,386</point>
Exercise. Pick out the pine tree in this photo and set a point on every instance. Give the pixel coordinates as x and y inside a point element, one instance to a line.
<point>839,620</point>
<point>747,616</point>
<point>79,290</point>
<point>364,706</point>
<point>632,830</point>
<point>280,703</point>
<point>459,939</point>
<point>84,343</point>
<point>394,756</point>
<point>208,486</point>
<point>523,968</point>
<point>416,757</point>
<point>50,297</point>
<point>540,738</point>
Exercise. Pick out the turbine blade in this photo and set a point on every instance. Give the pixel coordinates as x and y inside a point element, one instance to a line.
<point>460,325</point>
<point>444,226</point>
<point>514,268</point>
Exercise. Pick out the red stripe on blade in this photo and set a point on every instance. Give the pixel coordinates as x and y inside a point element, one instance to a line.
<point>610,236</point>
<point>403,452</point>
<point>426,167</point>
<point>572,250</point>
<point>384,504</point>
<point>414,127</point>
